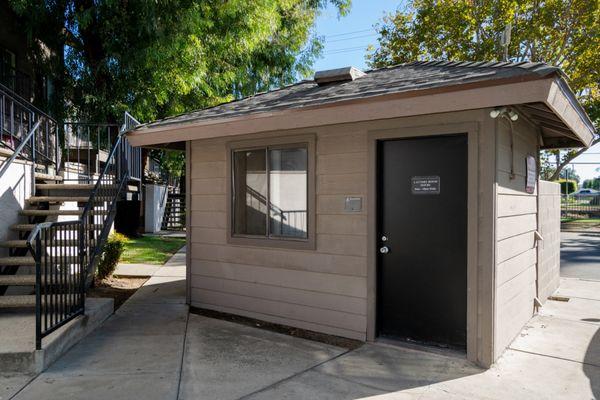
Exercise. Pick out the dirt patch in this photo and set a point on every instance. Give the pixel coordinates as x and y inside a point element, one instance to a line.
<point>286,330</point>
<point>119,289</point>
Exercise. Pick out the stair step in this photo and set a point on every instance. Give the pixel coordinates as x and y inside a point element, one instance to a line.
<point>46,177</point>
<point>67,186</point>
<point>29,227</point>
<point>17,280</point>
<point>14,243</point>
<point>56,199</point>
<point>20,244</point>
<point>24,260</point>
<point>45,213</point>
<point>22,227</point>
<point>28,260</point>
<point>17,301</point>
<point>4,152</point>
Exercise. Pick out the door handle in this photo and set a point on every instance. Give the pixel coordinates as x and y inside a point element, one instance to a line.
<point>384,250</point>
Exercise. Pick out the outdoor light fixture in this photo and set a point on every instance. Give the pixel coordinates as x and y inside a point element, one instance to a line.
<point>504,112</point>
<point>511,116</point>
<point>497,111</point>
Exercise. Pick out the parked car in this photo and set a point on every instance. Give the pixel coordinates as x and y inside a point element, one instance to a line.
<point>585,194</point>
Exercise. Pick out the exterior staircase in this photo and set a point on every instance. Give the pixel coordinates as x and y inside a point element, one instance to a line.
<point>65,222</point>
<point>46,206</point>
<point>174,216</point>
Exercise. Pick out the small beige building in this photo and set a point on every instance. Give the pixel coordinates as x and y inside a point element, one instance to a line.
<point>399,203</point>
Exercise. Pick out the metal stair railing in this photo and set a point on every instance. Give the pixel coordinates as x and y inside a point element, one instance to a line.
<point>174,215</point>
<point>86,149</point>
<point>18,117</point>
<point>64,271</point>
<point>28,140</point>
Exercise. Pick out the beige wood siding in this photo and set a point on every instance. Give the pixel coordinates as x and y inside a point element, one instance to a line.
<point>549,248</point>
<point>324,289</point>
<point>516,223</point>
<point>332,288</point>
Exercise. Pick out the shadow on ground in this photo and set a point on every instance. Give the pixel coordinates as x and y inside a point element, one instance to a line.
<point>591,364</point>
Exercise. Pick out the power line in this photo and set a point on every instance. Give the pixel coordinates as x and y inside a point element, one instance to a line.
<point>350,38</point>
<point>579,163</point>
<point>346,50</point>
<point>350,33</point>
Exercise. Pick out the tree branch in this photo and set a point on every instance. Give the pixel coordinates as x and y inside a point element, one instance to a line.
<point>570,158</point>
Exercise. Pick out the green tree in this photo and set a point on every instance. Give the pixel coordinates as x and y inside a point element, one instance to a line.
<point>593,183</point>
<point>164,57</point>
<point>564,33</point>
<point>568,173</point>
<point>567,186</point>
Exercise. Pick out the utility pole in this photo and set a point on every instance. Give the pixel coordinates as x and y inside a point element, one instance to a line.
<point>505,41</point>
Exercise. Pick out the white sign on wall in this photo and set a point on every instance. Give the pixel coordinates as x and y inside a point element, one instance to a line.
<point>531,174</point>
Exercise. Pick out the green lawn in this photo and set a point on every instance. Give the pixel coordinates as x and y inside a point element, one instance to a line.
<point>584,220</point>
<point>151,249</point>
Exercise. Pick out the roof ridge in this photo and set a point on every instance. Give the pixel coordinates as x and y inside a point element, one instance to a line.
<point>538,67</point>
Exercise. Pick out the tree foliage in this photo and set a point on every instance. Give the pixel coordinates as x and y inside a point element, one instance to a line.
<point>171,161</point>
<point>564,33</point>
<point>567,186</point>
<point>593,183</point>
<point>164,57</point>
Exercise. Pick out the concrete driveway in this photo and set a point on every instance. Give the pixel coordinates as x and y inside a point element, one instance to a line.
<point>153,349</point>
<point>580,255</point>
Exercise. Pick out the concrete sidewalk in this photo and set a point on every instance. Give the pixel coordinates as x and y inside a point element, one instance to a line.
<point>152,349</point>
<point>557,356</point>
<point>137,353</point>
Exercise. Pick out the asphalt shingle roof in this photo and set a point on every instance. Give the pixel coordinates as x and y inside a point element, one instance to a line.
<point>402,78</point>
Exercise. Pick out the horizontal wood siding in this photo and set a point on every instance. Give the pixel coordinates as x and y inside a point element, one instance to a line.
<point>324,289</point>
<point>549,248</point>
<point>516,253</point>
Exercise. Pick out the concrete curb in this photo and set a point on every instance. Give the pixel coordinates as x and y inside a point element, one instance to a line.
<point>59,342</point>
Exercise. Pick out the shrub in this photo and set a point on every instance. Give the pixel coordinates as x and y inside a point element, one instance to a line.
<point>569,185</point>
<point>111,253</point>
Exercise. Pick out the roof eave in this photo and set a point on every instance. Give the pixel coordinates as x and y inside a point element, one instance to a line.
<point>551,90</point>
<point>562,101</point>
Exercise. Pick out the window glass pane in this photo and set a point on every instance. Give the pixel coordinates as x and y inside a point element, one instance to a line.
<point>288,187</point>
<point>250,192</point>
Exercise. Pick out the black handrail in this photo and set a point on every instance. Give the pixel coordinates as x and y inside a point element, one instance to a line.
<point>16,152</point>
<point>90,256</point>
<point>60,278</point>
<point>60,296</point>
<point>17,118</point>
<point>86,146</point>
<point>24,102</point>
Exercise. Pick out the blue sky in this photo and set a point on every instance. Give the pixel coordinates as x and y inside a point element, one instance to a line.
<point>347,38</point>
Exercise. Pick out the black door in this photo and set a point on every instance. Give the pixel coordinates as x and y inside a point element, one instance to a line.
<point>422,240</point>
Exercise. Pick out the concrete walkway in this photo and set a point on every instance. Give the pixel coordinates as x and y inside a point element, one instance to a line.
<point>137,353</point>
<point>152,349</point>
<point>135,270</point>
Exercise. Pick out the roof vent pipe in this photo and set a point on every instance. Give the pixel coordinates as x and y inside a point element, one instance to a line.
<point>337,75</point>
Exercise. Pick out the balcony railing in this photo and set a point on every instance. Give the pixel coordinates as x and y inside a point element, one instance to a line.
<point>17,119</point>
<point>17,81</point>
